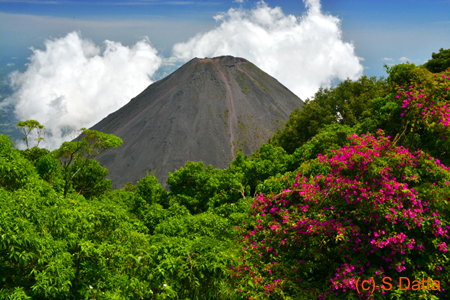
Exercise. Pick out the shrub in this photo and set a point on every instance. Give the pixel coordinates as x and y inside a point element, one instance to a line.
<point>381,212</point>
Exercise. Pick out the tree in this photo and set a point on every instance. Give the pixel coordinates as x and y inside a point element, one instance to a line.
<point>267,161</point>
<point>201,189</point>
<point>149,190</point>
<point>76,156</point>
<point>426,107</point>
<point>89,178</point>
<point>347,104</point>
<point>400,75</point>
<point>129,187</point>
<point>439,62</point>
<point>29,126</point>
<point>15,170</point>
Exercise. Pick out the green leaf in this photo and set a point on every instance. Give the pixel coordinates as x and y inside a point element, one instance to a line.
<point>251,284</point>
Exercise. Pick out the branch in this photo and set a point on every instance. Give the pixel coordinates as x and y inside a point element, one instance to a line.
<point>397,138</point>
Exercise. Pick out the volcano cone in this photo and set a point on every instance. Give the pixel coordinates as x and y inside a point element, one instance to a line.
<point>207,110</point>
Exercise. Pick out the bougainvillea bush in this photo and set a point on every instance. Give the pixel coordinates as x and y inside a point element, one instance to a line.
<point>382,211</point>
<point>426,102</point>
<point>377,217</point>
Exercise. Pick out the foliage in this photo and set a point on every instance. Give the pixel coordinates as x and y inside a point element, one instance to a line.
<point>303,218</point>
<point>89,178</point>
<point>200,189</point>
<point>382,109</point>
<point>31,126</point>
<point>53,247</point>
<point>440,61</point>
<point>150,191</point>
<point>363,219</point>
<point>129,187</point>
<point>368,210</point>
<point>194,267</point>
<point>346,104</point>
<point>400,75</point>
<point>265,162</point>
<point>78,157</point>
<point>47,167</point>
<point>15,170</point>
<point>426,104</point>
<point>331,137</point>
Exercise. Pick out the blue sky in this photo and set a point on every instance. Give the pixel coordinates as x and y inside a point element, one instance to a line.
<point>50,47</point>
<point>379,29</point>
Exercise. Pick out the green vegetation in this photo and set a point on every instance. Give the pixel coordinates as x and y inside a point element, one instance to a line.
<point>439,62</point>
<point>241,81</point>
<point>349,103</point>
<point>266,91</point>
<point>356,185</point>
<point>31,126</point>
<point>241,125</point>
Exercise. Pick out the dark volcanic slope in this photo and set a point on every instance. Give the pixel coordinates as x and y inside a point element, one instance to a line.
<point>206,111</point>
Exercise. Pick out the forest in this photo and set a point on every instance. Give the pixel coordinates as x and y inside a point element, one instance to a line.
<point>349,200</point>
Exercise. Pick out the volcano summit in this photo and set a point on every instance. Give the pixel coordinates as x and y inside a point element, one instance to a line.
<point>207,110</point>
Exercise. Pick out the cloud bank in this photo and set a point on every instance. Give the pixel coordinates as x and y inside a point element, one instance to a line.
<point>303,53</point>
<point>73,84</point>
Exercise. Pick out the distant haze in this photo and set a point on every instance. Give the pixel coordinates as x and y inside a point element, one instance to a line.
<point>74,83</point>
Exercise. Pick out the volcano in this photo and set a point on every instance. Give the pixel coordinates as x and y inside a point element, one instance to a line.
<point>207,110</point>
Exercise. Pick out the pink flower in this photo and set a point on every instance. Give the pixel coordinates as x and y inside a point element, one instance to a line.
<point>443,247</point>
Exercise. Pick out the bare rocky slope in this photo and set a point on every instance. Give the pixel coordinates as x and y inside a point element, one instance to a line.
<point>207,110</point>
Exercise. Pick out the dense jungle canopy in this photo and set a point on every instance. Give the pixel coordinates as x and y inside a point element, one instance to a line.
<point>354,186</point>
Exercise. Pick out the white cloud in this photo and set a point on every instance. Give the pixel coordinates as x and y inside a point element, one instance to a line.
<point>404,59</point>
<point>171,61</point>
<point>361,58</point>
<point>303,53</point>
<point>71,84</point>
<point>386,59</point>
<point>10,64</point>
<point>238,1</point>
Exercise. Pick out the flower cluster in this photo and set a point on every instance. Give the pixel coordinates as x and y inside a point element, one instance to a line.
<point>360,220</point>
<point>429,99</point>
